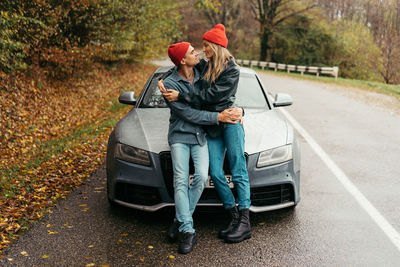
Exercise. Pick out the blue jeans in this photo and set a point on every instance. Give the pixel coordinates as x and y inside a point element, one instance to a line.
<point>231,142</point>
<point>186,197</point>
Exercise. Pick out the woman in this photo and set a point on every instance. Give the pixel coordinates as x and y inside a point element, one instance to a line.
<point>220,77</point>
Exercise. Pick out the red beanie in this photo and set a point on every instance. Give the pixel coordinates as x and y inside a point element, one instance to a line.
<point>177,51</point>
<point>217,35</point>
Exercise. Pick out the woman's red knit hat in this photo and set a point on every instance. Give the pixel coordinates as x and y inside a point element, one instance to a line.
<point>177,51</point>
<point>217,35</point>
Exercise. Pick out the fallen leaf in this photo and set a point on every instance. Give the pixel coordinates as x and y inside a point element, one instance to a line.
<point>138,243</point>
<point>129,255</point>
<point>91,246</point>
<point>171,256</point>
<point>10,259</point>
<point>48,225</point>
<point>66,208</point>
<point>120,240</point>
<point>83,205</point>
<point>24,253</point>
<point>124,234</point>
<point>89,265</point>
<point>45,256</point>
<point>150,247</point>
<point>261,223</point>
<point>141,259</point>
<point>52,233</point>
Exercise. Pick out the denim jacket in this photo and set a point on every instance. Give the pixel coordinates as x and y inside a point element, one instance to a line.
<point>185,123</point>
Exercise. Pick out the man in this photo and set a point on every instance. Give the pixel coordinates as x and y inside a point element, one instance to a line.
<point>186,138</point>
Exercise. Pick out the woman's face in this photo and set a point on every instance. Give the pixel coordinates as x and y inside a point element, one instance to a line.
<point>208,52</point>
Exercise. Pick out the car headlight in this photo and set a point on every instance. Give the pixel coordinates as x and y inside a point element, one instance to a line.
<point>132,154</point>
<point>275,156</point>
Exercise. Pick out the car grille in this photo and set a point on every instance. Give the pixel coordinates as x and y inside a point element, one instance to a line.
<point>166,167</point>
<point>272,195</point>
<point>137,194</point>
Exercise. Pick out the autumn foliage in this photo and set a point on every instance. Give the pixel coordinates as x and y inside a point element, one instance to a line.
<point>53,136</point>
<point>62,66</point>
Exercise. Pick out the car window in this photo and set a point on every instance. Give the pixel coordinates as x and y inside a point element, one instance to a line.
<point>153,97</point>
<point>249,93</point>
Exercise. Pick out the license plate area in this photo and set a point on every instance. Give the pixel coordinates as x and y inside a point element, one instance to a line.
<point>210,184</point>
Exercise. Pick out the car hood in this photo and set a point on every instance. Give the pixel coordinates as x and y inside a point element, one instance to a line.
<point>148,129</point>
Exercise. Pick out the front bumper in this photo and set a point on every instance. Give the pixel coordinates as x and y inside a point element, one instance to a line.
<point>150,188</point>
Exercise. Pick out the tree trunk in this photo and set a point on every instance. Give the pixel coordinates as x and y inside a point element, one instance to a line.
<point>265,36</point>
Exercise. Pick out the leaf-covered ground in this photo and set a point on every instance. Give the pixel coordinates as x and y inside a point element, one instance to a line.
<point>53,135</point>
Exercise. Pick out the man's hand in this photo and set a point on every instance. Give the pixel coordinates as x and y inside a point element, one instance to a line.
<point>231,115</point>
<point>161,86</point>
<point>171,95</point>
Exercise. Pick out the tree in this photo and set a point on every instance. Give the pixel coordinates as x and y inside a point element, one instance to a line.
<point>61,35</point>
<point>270,14</point>
<point>226,12</point>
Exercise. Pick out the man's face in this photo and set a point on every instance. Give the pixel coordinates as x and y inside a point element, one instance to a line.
<point>191,57</point>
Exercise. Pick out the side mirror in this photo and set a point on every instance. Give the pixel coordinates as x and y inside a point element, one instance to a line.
<point>127,98</point>
<point>282,100</point>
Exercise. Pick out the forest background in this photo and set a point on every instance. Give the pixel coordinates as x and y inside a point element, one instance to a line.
<point>64,63</point>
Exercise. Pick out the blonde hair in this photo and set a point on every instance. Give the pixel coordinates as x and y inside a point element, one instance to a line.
<point>217,63</point>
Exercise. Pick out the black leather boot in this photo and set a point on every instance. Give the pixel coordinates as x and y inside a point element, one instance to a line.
<point>234,219</point>
<point>187,243</point>
<point>242,230</point>
<point>173,230</point>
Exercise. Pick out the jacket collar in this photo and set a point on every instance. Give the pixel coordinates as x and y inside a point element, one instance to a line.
<point>177,77</point>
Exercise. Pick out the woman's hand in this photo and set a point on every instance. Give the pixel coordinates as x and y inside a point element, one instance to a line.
<point>231,115</point>
<point>161,86</point>
<point>171,95</point>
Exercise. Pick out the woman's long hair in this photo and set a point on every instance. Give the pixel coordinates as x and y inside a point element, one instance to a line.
<point>217,63</point>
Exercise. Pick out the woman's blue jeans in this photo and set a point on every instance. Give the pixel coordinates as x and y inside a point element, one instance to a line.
<point>231,142</point>
<point>186,197</point>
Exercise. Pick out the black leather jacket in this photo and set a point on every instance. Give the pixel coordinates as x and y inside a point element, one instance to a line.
<point>218,95</point>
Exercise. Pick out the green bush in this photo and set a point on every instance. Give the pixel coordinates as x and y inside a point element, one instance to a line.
<point>57,34</point>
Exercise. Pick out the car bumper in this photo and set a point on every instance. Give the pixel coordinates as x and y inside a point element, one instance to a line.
<point>150,188</point>
<point>163,205</point>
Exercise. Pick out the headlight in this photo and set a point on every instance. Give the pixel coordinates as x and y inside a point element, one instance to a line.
<point>275,156</point>
<point>132,154</point>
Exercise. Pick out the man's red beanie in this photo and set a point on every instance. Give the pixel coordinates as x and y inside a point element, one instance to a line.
<point>217,35</point>
<point>177,51</point>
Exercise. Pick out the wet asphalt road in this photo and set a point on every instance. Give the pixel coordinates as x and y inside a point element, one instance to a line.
<point>327,228</point>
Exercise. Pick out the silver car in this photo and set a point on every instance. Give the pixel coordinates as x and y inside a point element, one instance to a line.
<point>139,167</point>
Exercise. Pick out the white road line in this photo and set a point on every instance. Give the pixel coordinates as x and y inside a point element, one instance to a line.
<point>386,227</point>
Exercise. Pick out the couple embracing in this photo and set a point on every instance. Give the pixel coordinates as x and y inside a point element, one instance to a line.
<point>204,125</point>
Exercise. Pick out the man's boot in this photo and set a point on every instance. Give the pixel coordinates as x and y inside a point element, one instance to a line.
<point>173,230</point>
<point>242,230</point>
<point>234,219</point>
<point>187,243</point>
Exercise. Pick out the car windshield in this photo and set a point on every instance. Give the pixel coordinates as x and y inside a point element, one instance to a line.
<point>249,94</point>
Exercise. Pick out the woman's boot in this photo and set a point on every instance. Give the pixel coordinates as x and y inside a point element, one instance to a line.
<point>242,230</point>
<point>234,219</point>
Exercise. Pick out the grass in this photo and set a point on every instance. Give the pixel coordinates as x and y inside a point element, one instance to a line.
<point>378,87</point>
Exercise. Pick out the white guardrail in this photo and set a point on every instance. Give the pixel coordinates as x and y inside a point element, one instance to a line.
<point>333,71</point>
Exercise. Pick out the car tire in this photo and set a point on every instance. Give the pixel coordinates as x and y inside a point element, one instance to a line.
<point>110,157</point>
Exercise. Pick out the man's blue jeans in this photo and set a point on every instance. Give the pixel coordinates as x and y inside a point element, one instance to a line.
<point>186,197</point>
<point>231,142</point>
